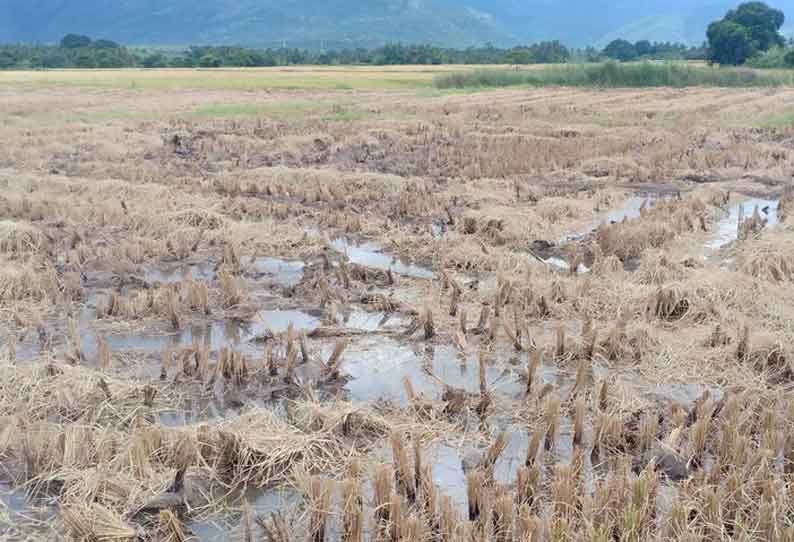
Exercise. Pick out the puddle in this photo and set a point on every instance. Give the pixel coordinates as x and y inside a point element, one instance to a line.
<point>447,461</point>
<point>372,321</point>
<point>193,410</point>
<point>370,255</point>
<point>728,228</point>
<point>631,210</point>
<point>196,271</point>
<point>22,518</point>
<point>214,334</point>
<point>685,394</point>
<point>377,367</point>
<point>288,273</point>
<point>278,321</point>
<point>231,527</point>
<point>448,474</point>
<point>562,265</point>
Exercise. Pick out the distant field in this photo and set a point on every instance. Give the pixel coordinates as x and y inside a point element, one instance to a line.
<point>314,77</point>
<point>434,79</point>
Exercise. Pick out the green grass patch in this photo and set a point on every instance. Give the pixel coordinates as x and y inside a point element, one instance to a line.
<point>780,120</point>
<point>614,75</point>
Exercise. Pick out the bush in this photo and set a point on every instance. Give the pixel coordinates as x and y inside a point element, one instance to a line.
<point>614,75</point>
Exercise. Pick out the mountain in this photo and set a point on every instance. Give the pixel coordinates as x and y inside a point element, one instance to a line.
<point>340,23</point>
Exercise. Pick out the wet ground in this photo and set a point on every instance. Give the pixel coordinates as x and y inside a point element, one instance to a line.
<point>379,361</point>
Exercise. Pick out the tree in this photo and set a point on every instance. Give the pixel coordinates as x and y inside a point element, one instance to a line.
<point>729,43</point>
<point>643,48</point>
<point>75,41</point>
<point>7,60</point>
<point>620,50</point>
<point>744,31</point>
<point>761,21</point>
<point>155,60</point>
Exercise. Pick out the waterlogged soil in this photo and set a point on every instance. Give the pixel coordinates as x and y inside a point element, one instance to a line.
<point>371,255</point>
<point>554,254</point>
<point>728,227</point>
<point>260,503</point>
<point>379,366</point>
<point>23,517</point>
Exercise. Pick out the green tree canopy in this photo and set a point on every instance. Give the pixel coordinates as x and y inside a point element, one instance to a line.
<point>750,28</point>
<point>75,41</point>
<point>761,21</point>
<point>621,50</point>
<point>729,43</point>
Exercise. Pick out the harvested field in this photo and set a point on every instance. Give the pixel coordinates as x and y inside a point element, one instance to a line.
<point>265,306</point>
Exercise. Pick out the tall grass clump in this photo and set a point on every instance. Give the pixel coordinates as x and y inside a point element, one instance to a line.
<point>615,75</point>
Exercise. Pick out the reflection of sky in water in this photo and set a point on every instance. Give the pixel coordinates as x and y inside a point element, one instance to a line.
<point>370,255</point>
<point>562,265</point>
<point>288,273</point>
<point>631,209</point>
<point>728,227</point>
<point>214,334</point>
<point>378,365</point>
<point>263,503</point>
<point>28,518</point>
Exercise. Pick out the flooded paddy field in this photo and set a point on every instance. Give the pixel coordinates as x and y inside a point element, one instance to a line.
<point>447,317</point>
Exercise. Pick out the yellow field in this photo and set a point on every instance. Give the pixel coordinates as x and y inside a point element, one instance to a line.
<point>396,77</point>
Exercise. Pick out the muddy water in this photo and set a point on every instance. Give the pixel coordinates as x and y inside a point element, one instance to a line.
<point>371,255</point>
<point>728,227</point>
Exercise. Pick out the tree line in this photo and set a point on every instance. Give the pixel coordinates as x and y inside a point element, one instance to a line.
<point>78,51</point>
<point>748,34</point>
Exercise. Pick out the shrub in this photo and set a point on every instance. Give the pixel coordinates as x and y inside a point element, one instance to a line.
<point>614,75</point>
